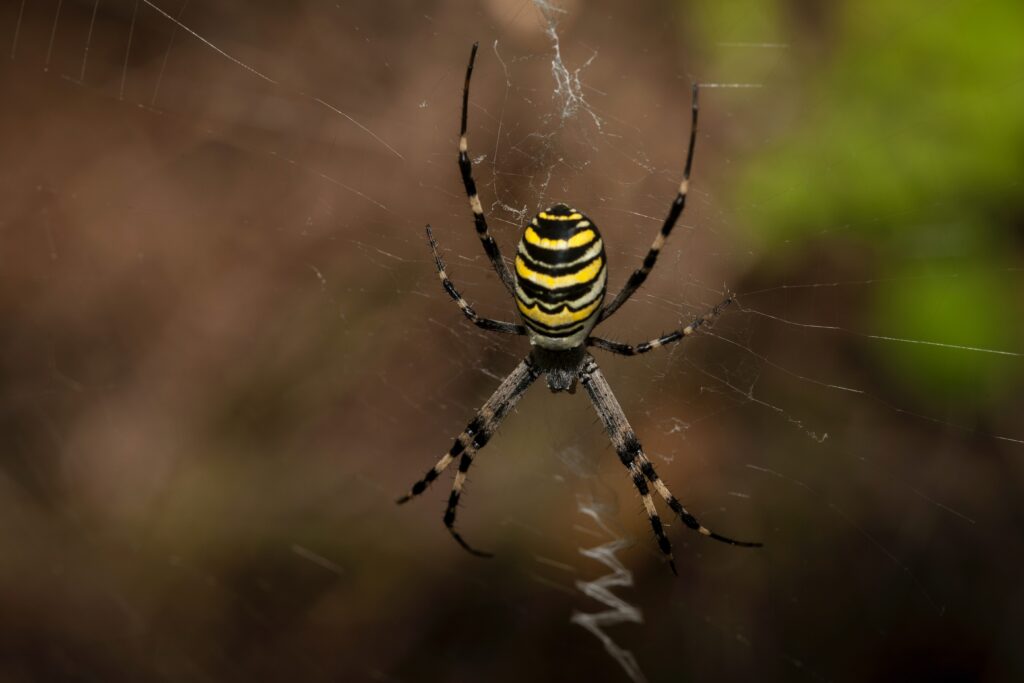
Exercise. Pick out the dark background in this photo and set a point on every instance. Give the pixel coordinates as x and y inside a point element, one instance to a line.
<point>224,351</point>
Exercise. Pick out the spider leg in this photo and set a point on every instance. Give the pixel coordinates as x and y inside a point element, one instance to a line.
<point>689,520</point>
<point>633,457</point>
<point>678,204</point>
<point>482,323</point>
<point>626,445</point>
<point>634,349</point>
<point>474,437</point>
<point>466,168</point>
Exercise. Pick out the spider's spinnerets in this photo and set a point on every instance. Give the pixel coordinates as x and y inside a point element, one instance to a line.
<point>561,275</point>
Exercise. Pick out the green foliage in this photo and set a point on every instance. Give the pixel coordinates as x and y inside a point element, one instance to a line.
<point>908,137</point>
<point>929,304</point>
<point>917,114</point>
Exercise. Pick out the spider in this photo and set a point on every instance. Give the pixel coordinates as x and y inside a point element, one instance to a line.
<point>559,288</point>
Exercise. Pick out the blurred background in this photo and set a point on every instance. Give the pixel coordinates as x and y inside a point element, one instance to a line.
<point>224,352</point>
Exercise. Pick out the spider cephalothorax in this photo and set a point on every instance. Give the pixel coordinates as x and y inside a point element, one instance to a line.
<point>561,367</point>
<point>559,288</point>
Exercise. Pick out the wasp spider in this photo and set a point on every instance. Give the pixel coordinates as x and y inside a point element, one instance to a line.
<point>559,287</point>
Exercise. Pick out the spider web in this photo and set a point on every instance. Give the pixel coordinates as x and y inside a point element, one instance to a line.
<point>227,354</point>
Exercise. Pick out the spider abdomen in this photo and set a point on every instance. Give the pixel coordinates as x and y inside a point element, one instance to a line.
<point>561,277</point>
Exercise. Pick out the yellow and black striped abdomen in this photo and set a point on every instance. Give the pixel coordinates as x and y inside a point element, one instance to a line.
<point>561,276</point>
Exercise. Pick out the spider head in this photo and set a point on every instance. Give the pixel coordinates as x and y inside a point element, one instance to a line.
<point>561,367</point>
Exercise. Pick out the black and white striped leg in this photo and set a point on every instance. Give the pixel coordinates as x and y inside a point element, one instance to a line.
<point>647,468</point>
<point>482,323</point>
<point>453,504</point>
<point>635,460</point>
<point>466,168</point>
<point>676,210</point>
<point>626,445</point>
<point>474,437</point>
<point>634,349</point>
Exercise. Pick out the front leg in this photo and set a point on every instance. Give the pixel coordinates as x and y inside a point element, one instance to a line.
<point>474,437</point>
<point>632,455</point>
